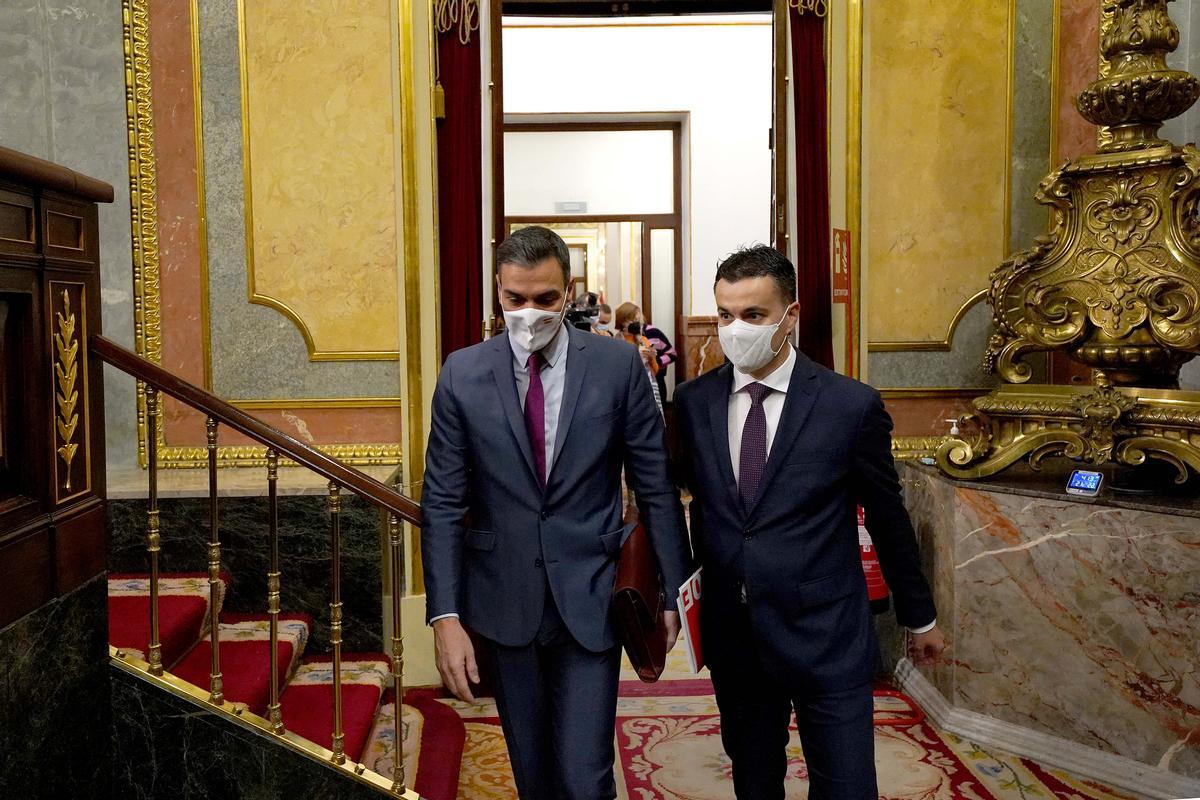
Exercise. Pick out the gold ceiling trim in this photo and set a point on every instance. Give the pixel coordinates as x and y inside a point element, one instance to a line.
<point>147,319</point>
<point>945,345</point>
<point>252,294</point>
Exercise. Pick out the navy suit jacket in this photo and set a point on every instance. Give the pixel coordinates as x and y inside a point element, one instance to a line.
<point>796,551</point>
<point>492,538</point>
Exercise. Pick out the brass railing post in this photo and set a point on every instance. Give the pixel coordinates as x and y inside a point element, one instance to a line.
<point>396,548</point>
<point>153,538</point>
<point>335,619</point>
<point>216,689</point>
<point>273,711</point>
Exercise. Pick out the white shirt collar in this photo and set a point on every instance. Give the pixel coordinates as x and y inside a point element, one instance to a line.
<point>779,380</point>
<point>552,352</point>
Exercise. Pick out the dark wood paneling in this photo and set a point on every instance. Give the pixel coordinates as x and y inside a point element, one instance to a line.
<point>52,526</point>
<point>80,546</point>
<point>28,581</point>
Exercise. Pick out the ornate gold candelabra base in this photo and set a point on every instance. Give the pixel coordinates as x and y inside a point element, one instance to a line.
<point>1097,424</point>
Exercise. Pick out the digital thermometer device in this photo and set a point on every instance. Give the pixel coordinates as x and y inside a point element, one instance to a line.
<point>1085,482</point>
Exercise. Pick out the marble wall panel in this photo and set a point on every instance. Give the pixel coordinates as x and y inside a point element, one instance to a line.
<point>55,688</point>
<point>319,113</point>
<point>304,550</point>
<point>1078,65</point>
<point>1075,619</point>
<point>935,161</point>
<point>165,746</point>
<point>257,352</point>
<point>63,99</point>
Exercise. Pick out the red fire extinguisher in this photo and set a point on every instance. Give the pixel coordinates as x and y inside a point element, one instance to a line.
<point>877,588</point>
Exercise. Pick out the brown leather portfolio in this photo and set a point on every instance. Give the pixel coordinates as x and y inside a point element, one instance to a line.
<point>638,602</point>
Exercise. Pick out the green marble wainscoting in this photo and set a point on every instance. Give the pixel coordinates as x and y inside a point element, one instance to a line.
<point>304,554</point>
<point>168,746</point>
<point>54,678</point>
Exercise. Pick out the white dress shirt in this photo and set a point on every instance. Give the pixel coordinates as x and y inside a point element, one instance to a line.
<point>554,380</point>
<point>740,402</point>
<point>739,409</point>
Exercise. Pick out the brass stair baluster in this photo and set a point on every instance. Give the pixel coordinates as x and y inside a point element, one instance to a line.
<point>397,565</point>
<point>273,711</point>
<point>216,688</point>
<point>153,539</point>
<point>335,619</point>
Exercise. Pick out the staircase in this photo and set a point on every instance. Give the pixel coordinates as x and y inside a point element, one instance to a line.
<point>348,712</point>
<point>433,734</point>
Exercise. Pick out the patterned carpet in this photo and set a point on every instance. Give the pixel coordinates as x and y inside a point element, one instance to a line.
<point>669,747</point>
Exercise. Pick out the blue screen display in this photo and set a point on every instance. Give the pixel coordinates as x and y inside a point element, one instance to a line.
<point>1088,481</point>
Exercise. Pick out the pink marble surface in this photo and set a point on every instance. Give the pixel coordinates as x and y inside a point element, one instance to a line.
<point>1074,619</point>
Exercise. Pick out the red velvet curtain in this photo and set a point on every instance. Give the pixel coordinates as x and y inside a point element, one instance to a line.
<point>460,192</point>
<point>815,335</point>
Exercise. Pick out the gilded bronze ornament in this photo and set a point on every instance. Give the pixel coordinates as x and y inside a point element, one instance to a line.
<point>1115,284</point>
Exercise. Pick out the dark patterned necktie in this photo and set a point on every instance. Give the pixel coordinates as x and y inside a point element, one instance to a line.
<point>753,459</point>
<point>535,415</point>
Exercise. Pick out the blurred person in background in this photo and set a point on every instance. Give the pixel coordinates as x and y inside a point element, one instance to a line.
<point>630,324</point>
<point>604,322</point>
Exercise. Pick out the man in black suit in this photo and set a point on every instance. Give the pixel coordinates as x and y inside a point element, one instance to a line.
<point>777,452</point>
<point>523,520</point>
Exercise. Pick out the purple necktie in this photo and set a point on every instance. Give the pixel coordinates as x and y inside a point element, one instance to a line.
<point>753,459</point>
<point>535,415</point>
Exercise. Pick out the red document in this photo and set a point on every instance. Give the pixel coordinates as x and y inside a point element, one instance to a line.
<point>689,615</point>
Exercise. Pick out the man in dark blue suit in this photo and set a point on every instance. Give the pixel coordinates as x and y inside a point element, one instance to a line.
<point>523,520</point>
<point>778,452</point>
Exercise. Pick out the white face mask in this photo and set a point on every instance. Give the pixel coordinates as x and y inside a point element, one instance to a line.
<point>749,346</point>
<point>603,326</point>
<point>533,328</point>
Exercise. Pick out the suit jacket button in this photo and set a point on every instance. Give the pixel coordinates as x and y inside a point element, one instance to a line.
<point>747,535</point>
<point>545,516</point>
<point>538,563</point>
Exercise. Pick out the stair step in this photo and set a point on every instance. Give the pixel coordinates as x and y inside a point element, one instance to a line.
<point>308,699</point>
<point>182,611</point>
<point>245,657</point>
<point>434,739</point>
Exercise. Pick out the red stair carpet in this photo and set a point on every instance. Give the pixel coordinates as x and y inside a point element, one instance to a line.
<point>182,612</point>
<point>245,654</point>
<point>307,703</point>
<point>434,735</point>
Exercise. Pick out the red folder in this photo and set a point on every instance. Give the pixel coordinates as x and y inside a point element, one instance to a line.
<point>689,615</point>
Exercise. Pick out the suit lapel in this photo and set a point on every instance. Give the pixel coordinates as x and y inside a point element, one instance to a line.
<point>718,419</point>
<point>506,384</point>
<point>802,393</point>
<point>576,370</point>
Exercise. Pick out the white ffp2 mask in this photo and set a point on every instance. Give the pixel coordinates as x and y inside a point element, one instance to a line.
<point>533,328</point>
<point>749,346</point>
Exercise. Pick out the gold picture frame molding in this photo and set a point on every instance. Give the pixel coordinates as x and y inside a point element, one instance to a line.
<point>143,189</point>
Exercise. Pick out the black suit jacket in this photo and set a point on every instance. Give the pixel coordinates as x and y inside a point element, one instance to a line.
<point>796,551</point>
<point>492,538</point>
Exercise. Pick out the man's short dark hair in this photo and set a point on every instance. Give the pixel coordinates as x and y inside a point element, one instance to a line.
<point>760,261</point>
<point>530,246</point>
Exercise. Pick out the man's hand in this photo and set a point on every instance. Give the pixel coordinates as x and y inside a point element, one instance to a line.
<point>672,620</point>
<point>925,648</point>
<point>455,657</point>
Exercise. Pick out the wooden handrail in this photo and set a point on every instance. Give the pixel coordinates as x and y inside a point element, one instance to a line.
<point>365,486</point>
